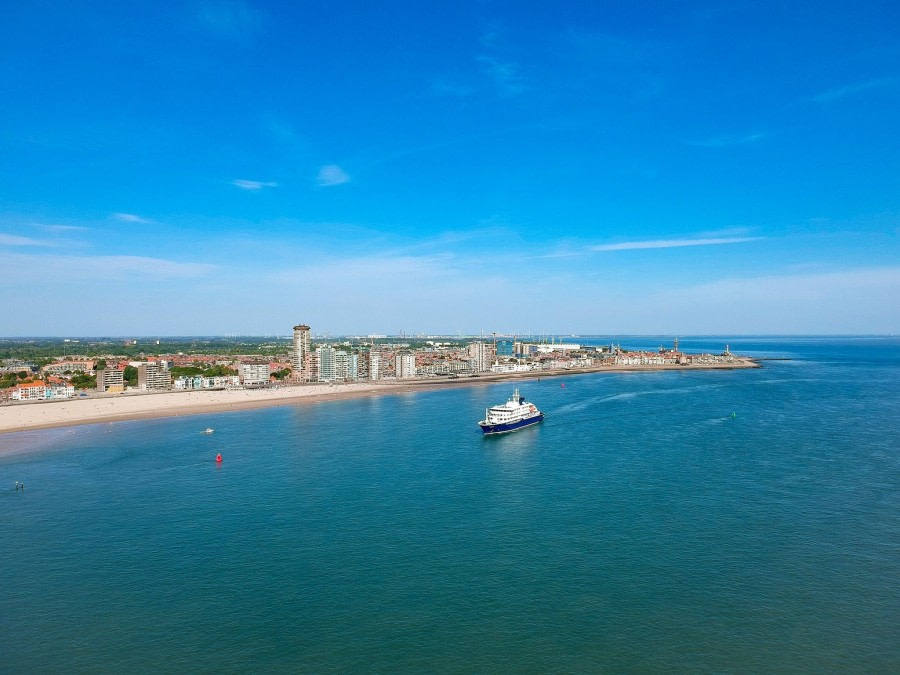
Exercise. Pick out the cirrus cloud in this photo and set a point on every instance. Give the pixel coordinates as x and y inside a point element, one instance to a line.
<point>253,185</point>
<point>671,243</point>
<point>15,240</point>
<point>131,218</point>
<point>332,174</point>
<point>104,267</point>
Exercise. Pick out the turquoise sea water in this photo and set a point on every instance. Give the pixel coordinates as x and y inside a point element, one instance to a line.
<point>641,527</point>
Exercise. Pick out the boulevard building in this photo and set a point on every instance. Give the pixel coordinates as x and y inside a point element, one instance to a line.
<point>154,376</point>
<point>481,356</point>
<point>300,353</point>
<point>346,365</point>
<point>255,373</point>
<point>374,365</point>
<point>327,358</point>
<point>110,380</point>
<point>39,390</point>
<point>404,364</point>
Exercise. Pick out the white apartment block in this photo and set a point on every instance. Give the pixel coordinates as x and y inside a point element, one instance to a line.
<point>33,391</point>
<point>404,364</point>
<point>59,391</point>
<point>374,365</point>
<point>481,356</point>
<point>200,382</point>
<point>326,358</point>
<point>557,347</point>
<point>255,373</point>
<point>341,365</point>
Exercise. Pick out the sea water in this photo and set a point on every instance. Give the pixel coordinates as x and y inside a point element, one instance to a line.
<point>743,520</point>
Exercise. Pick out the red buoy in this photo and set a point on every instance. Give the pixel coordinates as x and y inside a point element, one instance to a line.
<point>219,457</point>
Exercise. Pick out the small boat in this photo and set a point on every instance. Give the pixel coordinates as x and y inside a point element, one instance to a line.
<point>208,430</point>
<point>515,414</point>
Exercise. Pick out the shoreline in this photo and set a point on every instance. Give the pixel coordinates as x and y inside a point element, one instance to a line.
<point>22,417</point>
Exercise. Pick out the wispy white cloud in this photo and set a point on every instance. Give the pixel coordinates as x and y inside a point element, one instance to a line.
<point>154,267</point>
<point>253,185</point>
<point>725,232</point>
<point>671,243</point>
<point>852,89</point>
<point>62,228</point>
<point>726,141</point>
<point>107,266</point>
<point>15,240</point>
<point>332,174</point>
<point>131,218</point>
<point>505,74</point>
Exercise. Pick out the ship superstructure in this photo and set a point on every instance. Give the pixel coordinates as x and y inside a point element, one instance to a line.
<point>516,413</point>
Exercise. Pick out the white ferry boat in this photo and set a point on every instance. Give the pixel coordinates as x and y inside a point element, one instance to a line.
<point>516,413</point>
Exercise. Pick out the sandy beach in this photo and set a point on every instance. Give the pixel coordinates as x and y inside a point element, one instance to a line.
<point>26,416</point>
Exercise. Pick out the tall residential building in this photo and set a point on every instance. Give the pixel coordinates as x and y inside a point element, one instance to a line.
<point>374,365</point>
<point>481,356</point>
<point>110,380</point>
<point>341,365</point>
<point>504,347</point>
<point>404,364</point>
<point>327,359</point>
<point>362,365</point>
<point>301,351</point>
<point>153,375</point>
<point>346,365</point>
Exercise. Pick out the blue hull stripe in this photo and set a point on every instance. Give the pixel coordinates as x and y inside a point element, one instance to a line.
<point>506,428</point>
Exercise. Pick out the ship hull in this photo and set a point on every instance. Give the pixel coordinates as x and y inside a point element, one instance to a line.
<point>492,429</point>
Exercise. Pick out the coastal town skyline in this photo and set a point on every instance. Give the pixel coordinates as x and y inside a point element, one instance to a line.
<point>211,168</point>
<point>216,372</point>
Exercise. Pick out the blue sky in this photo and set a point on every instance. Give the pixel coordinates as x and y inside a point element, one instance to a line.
<point>231,167</point>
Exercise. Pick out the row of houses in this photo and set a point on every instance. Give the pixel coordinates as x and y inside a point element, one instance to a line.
<point>200,382</point>
<point>39,390</point>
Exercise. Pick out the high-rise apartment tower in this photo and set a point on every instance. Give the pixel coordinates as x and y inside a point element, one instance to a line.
<point>301,350</point>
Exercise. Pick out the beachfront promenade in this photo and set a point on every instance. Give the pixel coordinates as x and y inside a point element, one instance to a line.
<point>15,417</point>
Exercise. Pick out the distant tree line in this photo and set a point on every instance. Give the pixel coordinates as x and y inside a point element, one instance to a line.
<point>48,349</point>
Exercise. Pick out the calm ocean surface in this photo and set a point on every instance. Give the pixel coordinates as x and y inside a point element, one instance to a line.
<point>640,528</point>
